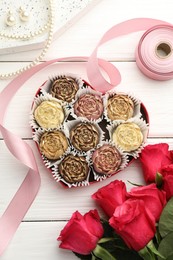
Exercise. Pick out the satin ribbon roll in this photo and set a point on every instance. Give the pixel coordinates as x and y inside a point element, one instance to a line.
<point>161,67</point>
<point>154,54</point>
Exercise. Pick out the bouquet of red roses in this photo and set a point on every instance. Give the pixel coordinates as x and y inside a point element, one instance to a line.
<point>140,222</point>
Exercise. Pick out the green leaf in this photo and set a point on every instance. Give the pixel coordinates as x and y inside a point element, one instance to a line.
<point>106,239</point>
<point>102,253</point>
<point>159,180</point>
<point>157,236</point>
<point>83,257</point>
<point>166,248</point>
<point>166,219</point>
<point>135,184</point>
<point>153,249</point>
<point>93,257</point>
<point>146,254</point>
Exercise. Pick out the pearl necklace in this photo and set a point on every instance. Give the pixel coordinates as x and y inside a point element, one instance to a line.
<point>44,50</point>
<point>25,36</point>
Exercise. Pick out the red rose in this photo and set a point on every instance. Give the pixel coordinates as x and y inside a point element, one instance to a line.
<point>134,223</point>
<point>154,158</point>
<point>167,173</point>
<point>153,198</point>
<point>111,196</point>
<point>82,233</point>
<point>168,186</point>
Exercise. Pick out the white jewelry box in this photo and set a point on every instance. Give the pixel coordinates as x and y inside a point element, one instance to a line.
<point>67,12</point>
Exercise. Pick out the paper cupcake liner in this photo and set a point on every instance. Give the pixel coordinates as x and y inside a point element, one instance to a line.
<point>144,127</point>
<point>81,92</point>
<point>58,178</point>
<point>137,104</point>
<point>54,77</point>
<point>70,124</point>
<point>44,96</point>
<point>124,162</point>
<point>36,137</point>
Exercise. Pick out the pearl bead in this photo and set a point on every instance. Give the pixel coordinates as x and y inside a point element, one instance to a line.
<point>10,20</point>
<point>29,36</point>
<point>24,15</point>
<point>32,34</point>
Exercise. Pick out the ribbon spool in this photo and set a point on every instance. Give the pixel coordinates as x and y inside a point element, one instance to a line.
<point>154,54</point>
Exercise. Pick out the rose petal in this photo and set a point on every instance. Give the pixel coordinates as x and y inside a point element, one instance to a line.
<point>153,159</point>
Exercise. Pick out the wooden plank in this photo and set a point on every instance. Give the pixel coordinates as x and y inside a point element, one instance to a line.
<point>156,95</point>
<point>37,240</point>
<point>53,201</point>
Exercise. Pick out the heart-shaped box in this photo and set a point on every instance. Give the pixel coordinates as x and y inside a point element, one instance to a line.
<point>84,136</point>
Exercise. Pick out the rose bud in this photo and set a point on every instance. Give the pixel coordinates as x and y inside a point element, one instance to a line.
<point>111,196</point>
<point>153,198</point>
<point>153,159</point>
<point>134,223</point>
<point>82,233</point>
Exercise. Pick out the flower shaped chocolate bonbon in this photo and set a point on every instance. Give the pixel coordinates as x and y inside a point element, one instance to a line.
<point>85,136</point>
<point>128,136</point>
<point>74,168</point>
<point>64,88</point>
<point>89,106</point>
<point>53,144</point>
<point>120,107</point>
<point>49,114</point>
<point>106,159</point>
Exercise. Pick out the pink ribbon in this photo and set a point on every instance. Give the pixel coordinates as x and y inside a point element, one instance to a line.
<point>93,71</point>
<point>148,58</point>
<point>27,192</point>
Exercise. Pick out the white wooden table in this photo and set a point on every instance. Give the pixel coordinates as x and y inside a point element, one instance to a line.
<point>36,237</point>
